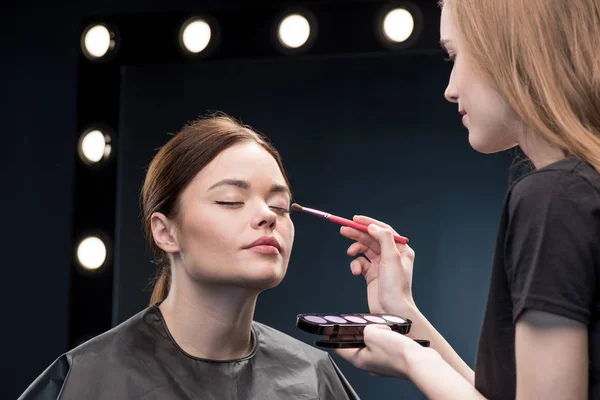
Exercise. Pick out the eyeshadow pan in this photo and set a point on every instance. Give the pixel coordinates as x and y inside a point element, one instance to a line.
<point>353,318</point>
<point>313,318</point>
<point>333,318</point>
<point>392,318</point>
<point>373,318</point>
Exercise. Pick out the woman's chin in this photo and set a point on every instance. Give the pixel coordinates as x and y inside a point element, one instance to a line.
<point>265,276</point>
<point>486,145</point>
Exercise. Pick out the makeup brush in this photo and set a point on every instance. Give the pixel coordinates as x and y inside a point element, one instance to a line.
<point>342,221</point>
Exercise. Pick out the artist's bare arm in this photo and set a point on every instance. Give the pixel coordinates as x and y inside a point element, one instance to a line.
<point>436,379</point>
<point>552,363</point>
<point>388,272</point>
<point>552,357</point>
<point>551,351</point>
<point>423,329</point>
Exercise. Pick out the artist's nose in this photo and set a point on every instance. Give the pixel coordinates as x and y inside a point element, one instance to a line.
<point>451,94</point>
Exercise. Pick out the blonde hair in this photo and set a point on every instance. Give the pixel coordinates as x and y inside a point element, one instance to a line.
<point>543,56</point>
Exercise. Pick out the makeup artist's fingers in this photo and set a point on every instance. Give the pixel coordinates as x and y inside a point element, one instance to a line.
<point>359,266</point>
<point>360,248</point>
<point>361,219</point>
<point>382,355</point>
<point>378,326</point>
<point>385,237</point>
<point>361,237</point>
<point>350,355</point>
<point>356,248</point>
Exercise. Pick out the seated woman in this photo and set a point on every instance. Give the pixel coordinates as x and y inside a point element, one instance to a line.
<point>215,205</point>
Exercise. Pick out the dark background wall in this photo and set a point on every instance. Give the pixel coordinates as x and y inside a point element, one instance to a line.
<point>446,198</point>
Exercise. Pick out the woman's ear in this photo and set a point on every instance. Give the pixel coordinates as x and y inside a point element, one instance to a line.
<point>164,233</point>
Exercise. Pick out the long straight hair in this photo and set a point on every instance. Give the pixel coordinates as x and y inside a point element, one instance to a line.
<point>543,56</point>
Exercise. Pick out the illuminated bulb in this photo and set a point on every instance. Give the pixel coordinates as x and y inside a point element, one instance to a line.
<point>94,146</point>
<point>294,31</point>
<point>196,36</point>
<point>398,25</point>
<point>97,41</point>
<point>91,253</point>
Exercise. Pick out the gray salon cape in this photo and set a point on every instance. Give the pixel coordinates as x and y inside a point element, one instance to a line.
<point>140,360</point>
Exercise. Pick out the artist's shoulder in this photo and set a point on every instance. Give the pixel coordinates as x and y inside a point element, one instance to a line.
<point>569,179</point>
<point>287,344</point>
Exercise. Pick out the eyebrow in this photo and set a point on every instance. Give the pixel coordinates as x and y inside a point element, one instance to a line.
<point>245,185</point>
<point>232,182</point>
<point>276,188</point>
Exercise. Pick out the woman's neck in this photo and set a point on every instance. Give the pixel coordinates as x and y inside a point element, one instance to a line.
<point>539,151</point>
<point>209,321</point>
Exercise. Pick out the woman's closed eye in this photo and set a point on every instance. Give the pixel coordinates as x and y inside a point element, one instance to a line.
<point>230,203</point>
<point>280,209</point>
<point>236,204</point>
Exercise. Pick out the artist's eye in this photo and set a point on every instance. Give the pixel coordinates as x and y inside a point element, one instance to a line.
<point>451,58</point>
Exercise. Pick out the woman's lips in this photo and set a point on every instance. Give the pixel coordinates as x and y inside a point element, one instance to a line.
<point>264,249</point>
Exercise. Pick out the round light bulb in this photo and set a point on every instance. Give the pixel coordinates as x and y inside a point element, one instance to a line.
<point>398,25</point>
<point>294,31</point>
<point>91,253</point>
<point>196,36</point>
<point>94,146</point>
<point>97,41</point>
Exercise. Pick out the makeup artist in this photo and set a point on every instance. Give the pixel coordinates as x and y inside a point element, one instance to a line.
<point>215,206</point>
<point>526,73</point>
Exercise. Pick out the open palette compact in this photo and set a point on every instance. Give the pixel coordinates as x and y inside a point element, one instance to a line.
<point>346,330</point>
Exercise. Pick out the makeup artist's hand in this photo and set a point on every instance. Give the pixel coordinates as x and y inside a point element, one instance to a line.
<point>387,353</point>
<point>388,269</point>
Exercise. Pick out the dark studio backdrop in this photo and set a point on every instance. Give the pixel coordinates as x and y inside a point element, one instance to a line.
<point>370,135</point>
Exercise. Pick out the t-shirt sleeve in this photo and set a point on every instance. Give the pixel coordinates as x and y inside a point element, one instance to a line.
<point>552,244</point>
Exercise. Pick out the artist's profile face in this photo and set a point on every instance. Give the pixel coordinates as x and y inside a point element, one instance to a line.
<point>238,198</point>
<point>492,124</point>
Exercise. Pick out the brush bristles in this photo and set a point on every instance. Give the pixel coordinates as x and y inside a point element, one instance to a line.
<point>296,207</point>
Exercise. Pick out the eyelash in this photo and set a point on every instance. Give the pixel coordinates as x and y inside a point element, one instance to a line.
<point>235,203</point>
<point>451,58</point>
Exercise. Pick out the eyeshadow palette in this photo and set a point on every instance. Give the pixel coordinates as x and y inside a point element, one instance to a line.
<point>345,330</point>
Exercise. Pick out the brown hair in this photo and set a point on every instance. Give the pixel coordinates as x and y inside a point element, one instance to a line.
<point>176,165</point>
<point>543,57</point>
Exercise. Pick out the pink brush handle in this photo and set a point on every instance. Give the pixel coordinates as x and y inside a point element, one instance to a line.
<point>363,228</point>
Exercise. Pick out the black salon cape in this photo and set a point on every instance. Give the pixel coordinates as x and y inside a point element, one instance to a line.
<point>140,360</point>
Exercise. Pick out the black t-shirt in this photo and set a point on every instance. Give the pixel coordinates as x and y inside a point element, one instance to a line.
<point>547,258</point>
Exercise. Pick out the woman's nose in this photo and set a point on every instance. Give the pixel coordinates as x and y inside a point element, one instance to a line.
<point>264,218</point>
<point>451,94</point>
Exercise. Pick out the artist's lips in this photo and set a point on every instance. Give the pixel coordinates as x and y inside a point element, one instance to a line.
<point>266,244</point>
